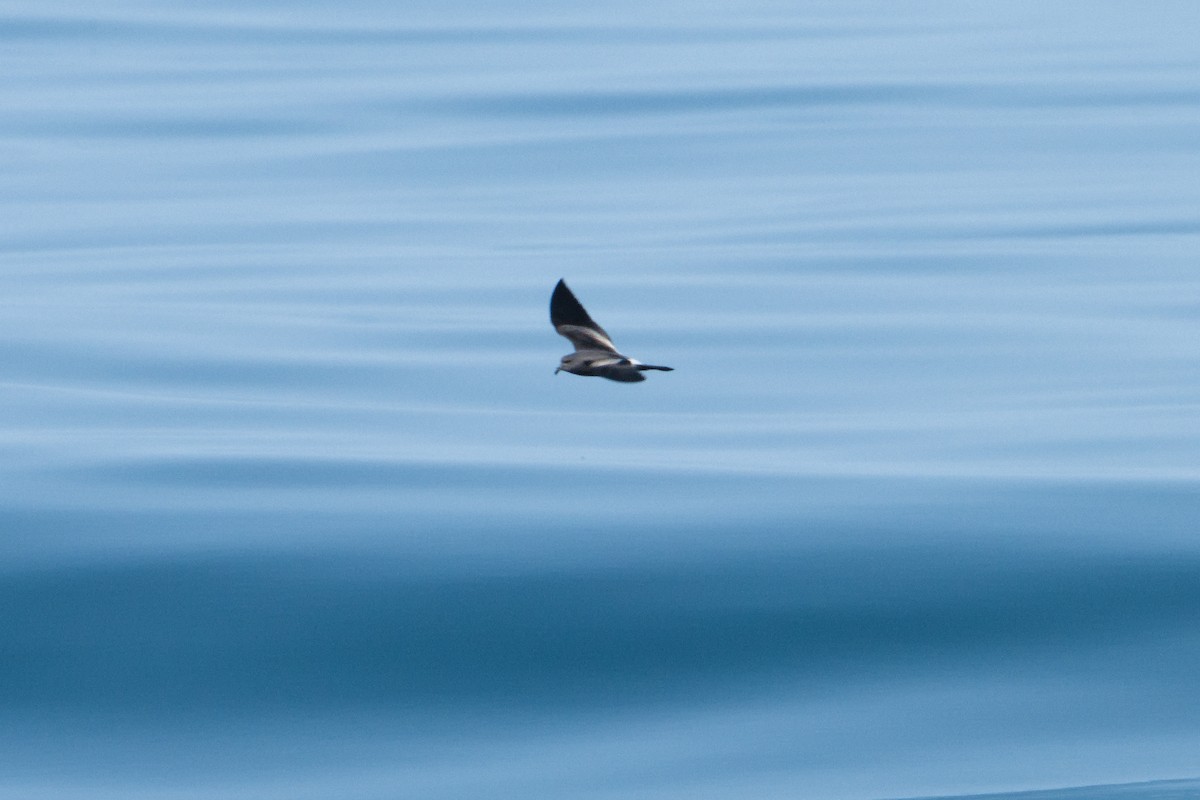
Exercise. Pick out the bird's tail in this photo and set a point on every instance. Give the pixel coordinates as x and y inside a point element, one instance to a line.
<point>644,367</point>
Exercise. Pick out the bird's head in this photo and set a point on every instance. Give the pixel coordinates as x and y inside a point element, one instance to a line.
<point>568,363</point>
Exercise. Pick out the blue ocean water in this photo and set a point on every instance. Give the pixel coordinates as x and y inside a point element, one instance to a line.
<point>292,505</point>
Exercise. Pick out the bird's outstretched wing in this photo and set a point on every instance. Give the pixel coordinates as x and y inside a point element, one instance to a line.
<point>570,319</point>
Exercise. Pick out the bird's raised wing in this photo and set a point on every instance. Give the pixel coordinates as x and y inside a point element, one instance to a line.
<point>570,319</point>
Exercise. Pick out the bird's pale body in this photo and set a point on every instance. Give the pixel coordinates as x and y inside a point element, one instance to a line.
<point>595,354</point>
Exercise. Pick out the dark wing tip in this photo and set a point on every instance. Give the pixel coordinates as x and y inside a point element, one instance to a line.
<point>565,309</point>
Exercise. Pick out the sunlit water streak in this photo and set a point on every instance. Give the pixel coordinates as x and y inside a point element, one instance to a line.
<point>293,506</point>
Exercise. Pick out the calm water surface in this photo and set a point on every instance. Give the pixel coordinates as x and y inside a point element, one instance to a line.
<point>292,505</point>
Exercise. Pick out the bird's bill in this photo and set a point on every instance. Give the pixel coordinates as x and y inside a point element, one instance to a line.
<point>558,370</point>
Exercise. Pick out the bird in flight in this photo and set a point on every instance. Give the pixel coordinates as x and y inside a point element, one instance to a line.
<point>595,354</point>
